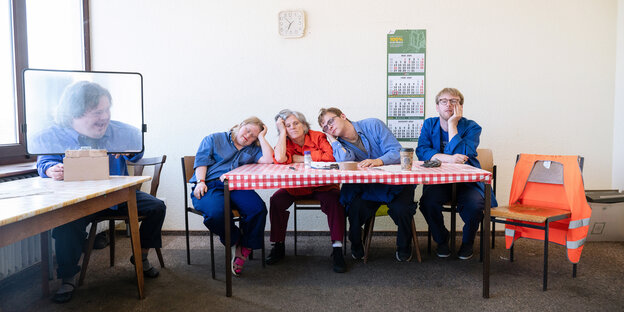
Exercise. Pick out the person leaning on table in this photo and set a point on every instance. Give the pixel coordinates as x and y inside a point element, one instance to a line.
<point>295,137</point>
<point>219,153</point>
<point>370,142</point>
<point>451,138</point>
<point>84,112</point>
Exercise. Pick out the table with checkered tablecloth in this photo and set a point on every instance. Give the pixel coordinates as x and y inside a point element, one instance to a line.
<point>271,176</point>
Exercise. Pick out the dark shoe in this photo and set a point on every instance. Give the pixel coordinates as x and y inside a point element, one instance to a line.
<point>65,296</point>
<point>277,253</point>
<point>148,269</point>
<point>101,240</point>
<point>339,263</point>
<point>357,251</point>
<point>404,254</point>
<point>443,250</point>
<point>465,251</point>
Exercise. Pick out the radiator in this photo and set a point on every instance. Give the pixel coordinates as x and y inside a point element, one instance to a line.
<point>19,256</point>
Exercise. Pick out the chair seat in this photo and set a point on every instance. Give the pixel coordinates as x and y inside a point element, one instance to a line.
<point>529,213</point>
<point>308,202</point>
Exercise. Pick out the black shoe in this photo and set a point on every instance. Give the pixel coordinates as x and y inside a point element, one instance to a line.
<point>404,254</point>
<point>443,250</point>
<point>465,251</point>
<point>150,272</point>
<point>277,253</point>
<point>66,296</point>
<point>101,240</point>
<point>357,251</point>
<point>339,263</point>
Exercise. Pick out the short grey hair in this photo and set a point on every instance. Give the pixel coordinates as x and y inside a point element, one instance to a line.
<point>285,113</point>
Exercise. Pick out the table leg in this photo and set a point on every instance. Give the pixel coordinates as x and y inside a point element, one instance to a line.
<point>228,238</point>
<point>453,233</point>
<point>486,238</point>
<point>45,267</point>
<point>135,239</point>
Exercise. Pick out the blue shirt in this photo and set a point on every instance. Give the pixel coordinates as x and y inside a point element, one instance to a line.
<point>465,142</point>
<point>377,139</point>
<point>218,152</point>
<point>379,142</point>
<point>119,137</point>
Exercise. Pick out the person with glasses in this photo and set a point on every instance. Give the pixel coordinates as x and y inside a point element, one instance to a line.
<point>451,138</point>
<point>371,144</point>
<point>295,138</point>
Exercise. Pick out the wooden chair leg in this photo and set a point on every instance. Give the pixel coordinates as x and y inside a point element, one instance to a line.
<point>111,241</point>
<point>160,257</point>
<point>416,245</point>
<point>368,232</point>
<point>87,253</point>
<point>295,224</point>
<point>188,244</point>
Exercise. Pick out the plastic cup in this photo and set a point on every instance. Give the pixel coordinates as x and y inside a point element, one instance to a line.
<point>407,158</point>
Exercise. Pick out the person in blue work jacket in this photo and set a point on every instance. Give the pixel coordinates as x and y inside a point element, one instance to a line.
<point>219,153</point>
<point>90,104</point>
<point>451,138</point>
<point>369,142</point>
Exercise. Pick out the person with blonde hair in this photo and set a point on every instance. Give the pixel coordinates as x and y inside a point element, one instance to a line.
<point>451,138</point>
<point>296,138</point>
<point>219,153</point>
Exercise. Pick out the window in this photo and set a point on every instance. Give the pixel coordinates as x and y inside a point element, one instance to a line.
<point>44,34</point>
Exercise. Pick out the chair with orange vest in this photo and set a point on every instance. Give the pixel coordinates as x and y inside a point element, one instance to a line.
<point>547,202</point>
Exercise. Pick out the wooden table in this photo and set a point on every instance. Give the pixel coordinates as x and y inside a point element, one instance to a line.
<point>270,176</point>
<point>36,205</point>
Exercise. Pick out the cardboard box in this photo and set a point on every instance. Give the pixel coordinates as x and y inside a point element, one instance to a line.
<point>607,220</point>
<point>84,165</point>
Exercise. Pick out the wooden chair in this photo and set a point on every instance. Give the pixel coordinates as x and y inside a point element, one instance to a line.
<point>313,204</point>
<point>157,163</point>
<point>540,216</point>
<point>368,233</point>
<point>187,172</point>
<point>486,159</point>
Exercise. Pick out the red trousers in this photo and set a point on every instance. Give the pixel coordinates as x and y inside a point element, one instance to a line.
<point>330,205</point>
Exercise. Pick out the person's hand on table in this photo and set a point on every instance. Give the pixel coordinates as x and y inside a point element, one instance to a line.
<point>370,163</point>
<point>200,190</point>
<point>453,159</point>
<point>56,172</point>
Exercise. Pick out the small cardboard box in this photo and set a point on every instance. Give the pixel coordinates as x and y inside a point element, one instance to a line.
<point>84,165</point>
<point>607,220</point>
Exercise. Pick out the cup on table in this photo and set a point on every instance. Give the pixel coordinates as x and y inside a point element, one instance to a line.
<point>407,158</point>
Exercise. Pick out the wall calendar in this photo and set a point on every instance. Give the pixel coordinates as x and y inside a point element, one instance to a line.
<point>405,110</point>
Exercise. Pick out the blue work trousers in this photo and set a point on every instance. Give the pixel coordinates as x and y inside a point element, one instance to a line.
<point>248,203</point>
<point>401,209</point>
<point>470,204</point>
<point>70,237</point>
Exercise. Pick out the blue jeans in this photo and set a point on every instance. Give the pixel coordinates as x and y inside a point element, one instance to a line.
<point>248,203</point>
<point>70,237</point>
<point>470,206</point>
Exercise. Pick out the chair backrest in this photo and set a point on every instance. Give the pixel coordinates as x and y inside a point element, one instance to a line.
<point>157,162</point>
<point>486,159</point>
<point>187,172</point>
<point>546,177</point>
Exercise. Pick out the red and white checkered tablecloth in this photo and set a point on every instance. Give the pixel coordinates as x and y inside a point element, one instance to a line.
<point>270,176</point>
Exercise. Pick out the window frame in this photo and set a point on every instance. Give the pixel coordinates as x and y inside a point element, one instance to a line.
<point>16,153</point>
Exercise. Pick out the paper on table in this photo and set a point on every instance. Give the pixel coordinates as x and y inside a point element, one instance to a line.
<point>390,168</point>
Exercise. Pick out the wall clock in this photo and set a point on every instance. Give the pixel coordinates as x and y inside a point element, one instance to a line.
<point>291,23</point>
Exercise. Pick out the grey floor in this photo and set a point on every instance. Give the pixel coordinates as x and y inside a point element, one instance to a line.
<point>306,282</point>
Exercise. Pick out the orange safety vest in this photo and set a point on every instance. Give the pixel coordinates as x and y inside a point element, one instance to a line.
<point>570,196</point>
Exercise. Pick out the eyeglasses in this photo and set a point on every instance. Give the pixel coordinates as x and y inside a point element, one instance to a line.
<point>330,122</point>
<point>446,101</point>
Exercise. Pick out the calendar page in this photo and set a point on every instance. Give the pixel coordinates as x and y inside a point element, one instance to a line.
<point>406,85</point>
<point>406,107</point>
<point>406,128</point>
<point>406,63</point>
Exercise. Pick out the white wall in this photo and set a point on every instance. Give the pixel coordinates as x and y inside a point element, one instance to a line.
<point>618,122</point>
<point>537,75</point>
